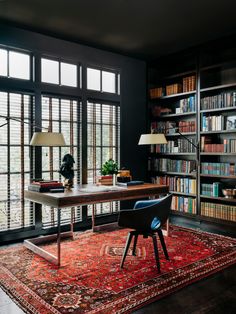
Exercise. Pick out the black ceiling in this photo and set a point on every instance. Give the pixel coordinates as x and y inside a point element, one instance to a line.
<point>141,28</point>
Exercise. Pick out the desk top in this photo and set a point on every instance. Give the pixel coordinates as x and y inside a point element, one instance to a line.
<point>76,196</point>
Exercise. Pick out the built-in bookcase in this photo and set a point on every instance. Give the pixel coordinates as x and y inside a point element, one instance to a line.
<point>200,102</point>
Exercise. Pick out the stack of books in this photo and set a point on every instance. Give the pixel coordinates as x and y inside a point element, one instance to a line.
<point>46,186</point>
<point>106,180</point>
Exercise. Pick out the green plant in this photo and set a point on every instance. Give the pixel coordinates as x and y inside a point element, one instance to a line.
<point>109,167</point>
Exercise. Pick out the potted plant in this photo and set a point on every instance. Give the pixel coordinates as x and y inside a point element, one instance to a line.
<point>110,167</point>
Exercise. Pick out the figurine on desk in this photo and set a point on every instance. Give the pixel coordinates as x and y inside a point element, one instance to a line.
<point>67,171</point>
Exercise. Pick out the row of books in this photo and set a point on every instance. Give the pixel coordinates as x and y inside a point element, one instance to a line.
<point>186,105</point>
<point>228,146</point>
<point>218,168</point>
<point>226,212</point>
<point>189,83</point>
<point>184,204</point>
<point>212,123</point>
<point>156,92</point>
<point>171,165</point>
<point>187,126</point>
<point>169,127</point>
<point>179,145</point>
<point>173,89</point>
<point>213,189</point>
<point>177,184</point>
<point>223,100</point>
<point>218,123</point>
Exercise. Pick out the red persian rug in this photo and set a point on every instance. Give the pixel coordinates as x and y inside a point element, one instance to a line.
<point>91,281</point>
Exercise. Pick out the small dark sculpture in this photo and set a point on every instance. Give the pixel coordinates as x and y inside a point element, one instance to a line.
<point>67,171</point>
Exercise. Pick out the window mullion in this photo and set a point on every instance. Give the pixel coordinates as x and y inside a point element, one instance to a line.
<point>22,157</point>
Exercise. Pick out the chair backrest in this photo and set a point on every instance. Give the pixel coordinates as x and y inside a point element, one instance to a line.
<point>141,217</point>
<point>160,209</point>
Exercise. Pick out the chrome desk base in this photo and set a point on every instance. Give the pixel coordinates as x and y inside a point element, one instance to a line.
<point>32,244</point>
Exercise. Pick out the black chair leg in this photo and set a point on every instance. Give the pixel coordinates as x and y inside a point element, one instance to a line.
<point>135,243</point>
<point>128,241</point>
<point>163,243</point>
<point>154,239</point>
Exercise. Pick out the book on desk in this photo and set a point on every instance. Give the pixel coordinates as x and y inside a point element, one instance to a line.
<point>130,183</point>
<point>46,186</point>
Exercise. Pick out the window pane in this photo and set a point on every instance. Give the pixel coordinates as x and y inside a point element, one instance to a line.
<point>93,79</point>
<point>68,74</point>
<point>19,65</point>
<point>50,71</point>
<point>3,62</point>
<point>108,82</point>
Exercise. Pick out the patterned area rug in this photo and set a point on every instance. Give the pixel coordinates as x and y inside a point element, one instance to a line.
<point>90,280</point>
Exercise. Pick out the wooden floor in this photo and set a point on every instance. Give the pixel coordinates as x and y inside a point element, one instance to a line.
<point>216,295</point>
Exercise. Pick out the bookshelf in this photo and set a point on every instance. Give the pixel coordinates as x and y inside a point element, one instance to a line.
<point>200,101</point>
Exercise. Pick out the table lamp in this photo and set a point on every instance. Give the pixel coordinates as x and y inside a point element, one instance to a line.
<point>152,139</point>
<point>51,139</point>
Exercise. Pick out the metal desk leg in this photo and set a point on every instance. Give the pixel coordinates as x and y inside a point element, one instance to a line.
<point>58,236</point>
<point>32,244</point>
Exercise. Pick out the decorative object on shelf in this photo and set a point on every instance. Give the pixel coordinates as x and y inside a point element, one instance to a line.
<point>231,123</point>
<point>229,193</point>
<point>110,167</point>
<point>67,171</point>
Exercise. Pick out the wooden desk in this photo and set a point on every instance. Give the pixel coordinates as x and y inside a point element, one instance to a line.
<point>77,196</point>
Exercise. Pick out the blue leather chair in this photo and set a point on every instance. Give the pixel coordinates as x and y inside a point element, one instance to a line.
<point>146,219</point>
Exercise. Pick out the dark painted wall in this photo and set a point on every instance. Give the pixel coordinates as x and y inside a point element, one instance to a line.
<point>133,85</point>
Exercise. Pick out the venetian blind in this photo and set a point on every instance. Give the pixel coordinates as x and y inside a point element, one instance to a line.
<point>61,115</point>
<point>103,133</point>
<point>15,156</point>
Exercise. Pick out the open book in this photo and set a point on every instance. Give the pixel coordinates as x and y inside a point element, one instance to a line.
<point>100,188</point>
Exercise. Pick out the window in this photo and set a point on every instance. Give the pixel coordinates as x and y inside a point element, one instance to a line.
<point>18,65</point>
<point>15,168</point>
<point>61,115</point>
<point>103,129</point>
<point>108,82</point>
<point>68,74</point>
<point>94,79</point>
<point>102,81</point>
<point>3,62</point>
<point>50,71</point>
<point>59,73</point>
<point>19,163</point>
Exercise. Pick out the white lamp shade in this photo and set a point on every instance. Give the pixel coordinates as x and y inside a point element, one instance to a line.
<point>47,139</point>
<point>150,139</point>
